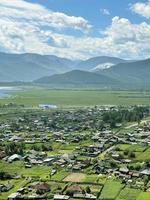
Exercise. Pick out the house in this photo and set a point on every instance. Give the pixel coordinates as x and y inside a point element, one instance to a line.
<point>84,196</point>
<point>42,188</point>
<point>14,196</point>
<point>61,197</point>
<point>14,158</point>
<point>47,106</point>
<point>145,172</point>
<point>6,187</point>
<point>73,189</point>
<point>124,170</point>
<point>54,171</point>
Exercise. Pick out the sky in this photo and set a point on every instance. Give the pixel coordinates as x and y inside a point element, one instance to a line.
<point>76,29</point>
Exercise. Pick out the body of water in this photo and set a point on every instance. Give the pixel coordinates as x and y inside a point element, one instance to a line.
<point>6,91</point>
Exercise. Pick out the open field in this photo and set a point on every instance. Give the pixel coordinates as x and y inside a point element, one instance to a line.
<point>63,98</point>
<point>128,194</point>
<point>129,147</point>
<point>18,167</point>
<point>144,196</point>
<point>75,177</point>
<point>111,190</point>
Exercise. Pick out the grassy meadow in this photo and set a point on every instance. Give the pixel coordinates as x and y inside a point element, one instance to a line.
<point>63,97</point>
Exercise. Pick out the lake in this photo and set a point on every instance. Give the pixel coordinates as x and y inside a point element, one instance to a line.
<point>6,91</point>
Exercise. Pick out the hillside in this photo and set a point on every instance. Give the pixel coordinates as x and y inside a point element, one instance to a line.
<point>77,77</point>
<point>28,67</point>
<point>124,75</point>
<point>131,74</point>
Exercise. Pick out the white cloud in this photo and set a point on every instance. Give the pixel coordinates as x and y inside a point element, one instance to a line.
<point>121,38</point>
<point>142,9</point>
<point>22,11</point>
<point>105,11</point>
<point>27,27</point>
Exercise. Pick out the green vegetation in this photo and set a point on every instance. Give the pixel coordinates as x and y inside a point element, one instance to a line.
<point>18,167</point>
<point>76,148</point>
<point>60,175</point>
<point>111,190</point>
<point>129,147</point>
<point>144,155</point>
<point>128,194</point>
<point>17,185</point>
<point>144,196</point>
<point>63,98</point>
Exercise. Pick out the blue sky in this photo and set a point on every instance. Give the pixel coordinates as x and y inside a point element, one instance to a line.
<point>76,28</point>
<point>92,10</point>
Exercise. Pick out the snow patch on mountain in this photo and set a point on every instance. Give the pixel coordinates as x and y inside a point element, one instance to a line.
<point>103,66</point>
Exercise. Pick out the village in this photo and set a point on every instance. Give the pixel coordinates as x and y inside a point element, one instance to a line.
<point>89,153</point>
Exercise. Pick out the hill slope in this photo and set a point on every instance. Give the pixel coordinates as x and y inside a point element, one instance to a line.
<point>131,74</point>
<point>77,78</point>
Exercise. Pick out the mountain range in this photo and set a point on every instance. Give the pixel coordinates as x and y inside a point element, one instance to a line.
<point>28,67</point>
<point>49,70</point>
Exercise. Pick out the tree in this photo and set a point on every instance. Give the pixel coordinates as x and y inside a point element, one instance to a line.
<point>14,148</point>
<point>88,190</point>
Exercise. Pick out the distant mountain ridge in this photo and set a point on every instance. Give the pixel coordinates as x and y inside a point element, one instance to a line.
<point>100,62</point>
<point>124,75</point>
<point>28,67</point>
<point>49,69</point>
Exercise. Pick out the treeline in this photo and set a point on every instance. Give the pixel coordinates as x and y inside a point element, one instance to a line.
<point>14,148</point>
<point>20,148</point>
<point>11,105</point>
<point>136,114</point>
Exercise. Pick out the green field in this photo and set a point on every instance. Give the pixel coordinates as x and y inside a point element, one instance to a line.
<point>18,167</point>
<point>36,96</point>
<point>144,196</point>
<point>144,155</point>
<point>128,194</point>
<point>111,190</point>
<point>129,147</point>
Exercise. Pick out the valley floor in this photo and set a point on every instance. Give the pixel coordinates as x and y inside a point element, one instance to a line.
<point>77,152</point>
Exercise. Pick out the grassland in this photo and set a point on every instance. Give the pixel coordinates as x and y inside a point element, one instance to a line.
<point>62,98</point>
<point>18,167</point>
<point>144,196</point>
<point>111,190</point>
<point>135,147</point>
<point>128,194</point>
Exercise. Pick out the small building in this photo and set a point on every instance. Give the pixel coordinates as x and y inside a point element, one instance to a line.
<point>85,196</point>
<point>42,188</point>
<point>73,189</point>
<point>14,158</point>
<point>124,170</point>
<point>47,106</point>
<point>14,196</point>
<point>61,197</point>
<point>145,172</point>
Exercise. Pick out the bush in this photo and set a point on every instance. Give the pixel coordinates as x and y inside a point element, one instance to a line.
<point>132,155</point>
<point>88,190</point>
<point>126,152</point>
